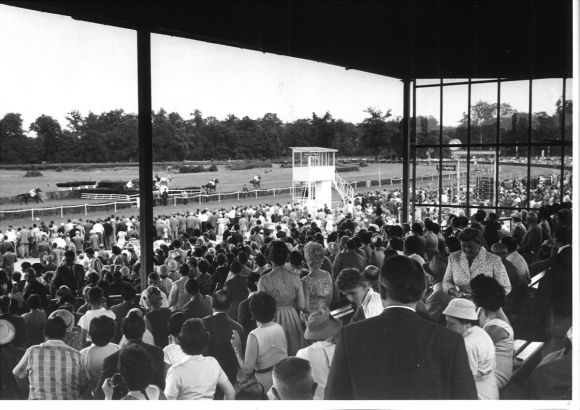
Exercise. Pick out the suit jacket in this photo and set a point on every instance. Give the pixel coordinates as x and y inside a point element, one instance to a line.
<point>110,368</point>
<point>237,292</point>
<point>399,356</point>
<point>220,327</point>
<point>35,287</point>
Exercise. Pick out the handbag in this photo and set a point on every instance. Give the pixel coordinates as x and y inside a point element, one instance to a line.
<point>250,389</point>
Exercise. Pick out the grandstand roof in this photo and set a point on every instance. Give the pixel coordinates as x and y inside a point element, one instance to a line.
<point>312,149</point>
<point>401,39</point>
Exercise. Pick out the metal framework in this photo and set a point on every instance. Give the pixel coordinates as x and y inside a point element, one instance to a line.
<point>561,143</point>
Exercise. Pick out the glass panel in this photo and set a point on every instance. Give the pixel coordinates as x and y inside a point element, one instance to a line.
<point>455,106</point>
<point>427,115</point>
<point>454,80</point>
<point>483,113</point>
<point>569,113</point>
<point>454,176</point>
<point>546,127</point>
<point>514,121</point>
<point>545,177</point>
<point>483,177</point>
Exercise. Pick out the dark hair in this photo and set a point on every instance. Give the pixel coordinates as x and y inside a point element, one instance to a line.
<point>243,257</point>
<point>403,278</point>
<point>193,337</point>
<point>351,244</point>
<point>294,377</point>
<point>70,254</point>
<point>175,323</point>
<point>563,234</point>
<point>295,258</point>
<point>128,293</point>
<point>133,326</point>
<point>252,281</point>
<point>397,243</point>
<point>417,228</point>
<point>221,301</point>
<point>184,269</point>
<point>192,287</point>
<point>349,278</point>
<point>236,267</point>
<point>102,330</point>
<point>55,328</point>
<point>34,301</point>
<point>263,307</point>
<point>277,251</point>
<point>221,258</point>
<point>136,366</point>
<point>453,244</point>
<point>260,260</point>
<point>471,234</point>
<point>487,292</point>
<point>95,295</point>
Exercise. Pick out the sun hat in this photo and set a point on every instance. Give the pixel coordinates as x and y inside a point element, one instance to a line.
<point>7,332</point>
<point>461,309</point>
<point>68,317</point>
<point>320,325</point>
<point>172,265</point>
<point>436,267</point>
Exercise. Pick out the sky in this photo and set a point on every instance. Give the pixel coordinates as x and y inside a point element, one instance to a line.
<point>53,64</point>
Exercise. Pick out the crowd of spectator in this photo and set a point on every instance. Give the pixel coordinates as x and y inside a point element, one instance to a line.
<point>276,302</point>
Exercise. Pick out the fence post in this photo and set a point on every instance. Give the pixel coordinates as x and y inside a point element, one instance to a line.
<point>219,198</point>
<point>115,206</point>
<point>85,209</point>
<point>256,194</point>
<point>238,195</point>
<point>200,198</point>
<point>274,192</point>
<point>32,214</point>
<point>61,212</point>
<point>174,201</point>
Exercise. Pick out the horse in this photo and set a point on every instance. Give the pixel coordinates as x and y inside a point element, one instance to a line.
<point>33,194</point>
<point>256,181</point>
<point>211,186</point>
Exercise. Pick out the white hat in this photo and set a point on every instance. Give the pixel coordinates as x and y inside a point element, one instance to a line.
<point>7,332</point>
<point>461,309</point>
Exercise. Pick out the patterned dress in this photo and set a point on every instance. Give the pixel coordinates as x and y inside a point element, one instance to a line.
<point>318,290</point>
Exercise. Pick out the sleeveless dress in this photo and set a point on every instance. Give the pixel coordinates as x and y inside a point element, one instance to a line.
<point>504,353</point>
<point>286,289</point>
<point>319,291</point>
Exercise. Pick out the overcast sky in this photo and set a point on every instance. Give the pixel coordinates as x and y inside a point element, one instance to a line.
<point>53,64</point>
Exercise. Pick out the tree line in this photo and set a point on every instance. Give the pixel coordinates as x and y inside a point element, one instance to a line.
<point>112,136</point>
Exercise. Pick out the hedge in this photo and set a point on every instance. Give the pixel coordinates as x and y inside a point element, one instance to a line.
<point>73,184</point>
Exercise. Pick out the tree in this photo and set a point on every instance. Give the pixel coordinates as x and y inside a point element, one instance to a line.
<point>376,132</point>
<point>48,132</point>
<point>12,139</point>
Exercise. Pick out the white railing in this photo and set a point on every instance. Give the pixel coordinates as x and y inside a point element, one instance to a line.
<point>344,189</point>
<point>106,197</point>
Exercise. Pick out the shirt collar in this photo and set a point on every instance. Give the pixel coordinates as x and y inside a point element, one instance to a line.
<point>55,342</point>
<point>399,306</point>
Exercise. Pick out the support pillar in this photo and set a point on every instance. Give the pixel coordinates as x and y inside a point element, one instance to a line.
<point>405,135</point>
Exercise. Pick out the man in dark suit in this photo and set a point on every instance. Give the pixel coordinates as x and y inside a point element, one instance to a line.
<point>121,310</point>
<point>348,259</point>
<point>70,274</point>
<point>31,285</point>
<point>133,329</point>
<point>220,327</point>
<point>398,355</point>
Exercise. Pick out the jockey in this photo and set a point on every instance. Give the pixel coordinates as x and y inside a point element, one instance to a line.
<point>32,193</point>
<point>257,178</point>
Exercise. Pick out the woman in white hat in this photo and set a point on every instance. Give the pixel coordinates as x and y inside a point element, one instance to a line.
<point>323,329</point>
<point>462,319</point>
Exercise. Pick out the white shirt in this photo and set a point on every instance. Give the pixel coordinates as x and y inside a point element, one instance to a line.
<point>86,319</point>
<point>319,354</point>
<point>93,358</point>
<point>172,354</point>
<point>372,304</point>
<point>194,378</point>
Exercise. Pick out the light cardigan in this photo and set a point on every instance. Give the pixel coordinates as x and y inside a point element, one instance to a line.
<point>459,273</point>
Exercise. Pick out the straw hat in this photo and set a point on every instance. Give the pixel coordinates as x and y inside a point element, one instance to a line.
<point>321,326</point>
<point>68,317</point>
<point>461,309</point>
<point>7,332</point>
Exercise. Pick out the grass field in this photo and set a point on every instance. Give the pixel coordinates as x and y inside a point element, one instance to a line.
<point>13,182</point>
